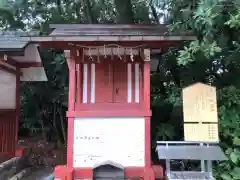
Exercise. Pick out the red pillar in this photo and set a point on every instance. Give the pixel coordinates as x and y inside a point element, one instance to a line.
<point>146,79</point>
<point>71,107</point>
<point>17,101</point>
<point>19,151</point>
<point>149,173</point>
<point>63,172</point>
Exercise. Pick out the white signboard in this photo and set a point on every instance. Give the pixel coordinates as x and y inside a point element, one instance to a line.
<point>116,139</point>
<point>7,90</point>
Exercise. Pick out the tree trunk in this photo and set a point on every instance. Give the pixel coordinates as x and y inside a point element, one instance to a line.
<point>63,126</point>
<point>55,124</point>
<point>154,13</point>
<point>124,11</point>
<point>44,134</point>
<point>59,6</point>
<point>87,11</point>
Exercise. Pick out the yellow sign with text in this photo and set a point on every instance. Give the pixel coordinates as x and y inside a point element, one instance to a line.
<point>200,113</point>
<point>200,103</point>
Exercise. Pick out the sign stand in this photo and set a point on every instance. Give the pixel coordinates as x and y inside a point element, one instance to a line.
<point>193,151</point>
<point>200,133</point>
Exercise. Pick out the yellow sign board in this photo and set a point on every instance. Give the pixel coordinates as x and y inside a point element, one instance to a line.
<point>200,113</point>
<point>201,132</point>
<point>200,103</point>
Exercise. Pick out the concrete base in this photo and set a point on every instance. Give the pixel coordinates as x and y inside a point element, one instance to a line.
<point>22,174</point>
<point>87,179</point>
<point>44,173</point>
<point>73,179</point>
<point>11,167</point>
<point>65,173</point>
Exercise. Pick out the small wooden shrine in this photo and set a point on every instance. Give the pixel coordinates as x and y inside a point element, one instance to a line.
<point>109,96</point>
<point>19,61</point>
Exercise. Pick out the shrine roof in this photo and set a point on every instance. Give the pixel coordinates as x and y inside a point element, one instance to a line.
<point>117,30</point>
<point>12,46</point>
<point>17,50</point>
<point>14,42</point>
<point>99,34</point>
<point>94,32</point>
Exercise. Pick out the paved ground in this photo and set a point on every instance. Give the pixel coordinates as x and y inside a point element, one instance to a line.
<point>40,174</point>
<point>3,158</point>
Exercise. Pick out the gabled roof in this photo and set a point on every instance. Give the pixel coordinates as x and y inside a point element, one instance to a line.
<point>152,36</point>
<point>21,52</point>
<point>113,30</point>
<point>104,32</point>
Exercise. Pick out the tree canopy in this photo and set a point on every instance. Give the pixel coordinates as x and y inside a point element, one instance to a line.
<point>213,59</point>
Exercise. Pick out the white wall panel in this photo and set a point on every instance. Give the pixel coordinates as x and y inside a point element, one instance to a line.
<point>117,139</point>
<point>7,90</point>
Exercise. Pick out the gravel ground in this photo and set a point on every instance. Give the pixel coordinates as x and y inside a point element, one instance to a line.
<point>40,174</point>
<point>3,158</point>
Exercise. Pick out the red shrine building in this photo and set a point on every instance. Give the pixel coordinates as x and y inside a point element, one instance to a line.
<point>109,96</point>
<point>19,62</point>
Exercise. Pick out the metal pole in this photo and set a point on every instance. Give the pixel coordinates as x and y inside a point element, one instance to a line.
<point>168,168</point>
<point>202,162</point>
<point>209,167</point>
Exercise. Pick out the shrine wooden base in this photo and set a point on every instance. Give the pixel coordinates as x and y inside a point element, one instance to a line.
<point>67,173</point>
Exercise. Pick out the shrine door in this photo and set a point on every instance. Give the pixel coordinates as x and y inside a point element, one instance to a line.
<point>111,82</point>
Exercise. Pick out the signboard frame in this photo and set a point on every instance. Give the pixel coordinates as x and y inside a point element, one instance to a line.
<point>200,113</point>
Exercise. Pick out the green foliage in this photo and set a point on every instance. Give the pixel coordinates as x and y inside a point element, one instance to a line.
<point>45,103</point>
<point>212,21</point>
<point>212,58</point>
<point>229,100</point>
<point>234,21</point>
